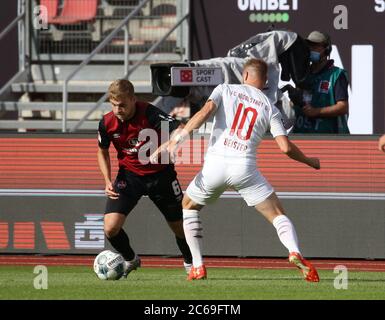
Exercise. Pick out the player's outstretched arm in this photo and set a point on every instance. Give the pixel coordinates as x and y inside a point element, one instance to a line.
<point>194,123</point>
<point>199,118</point>
<point>381,144</point>
<point>179,135</point>
<point>162,149</point>
<point>293,152</point>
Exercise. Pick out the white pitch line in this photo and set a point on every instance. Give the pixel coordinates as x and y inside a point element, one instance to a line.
<point>226,194</point>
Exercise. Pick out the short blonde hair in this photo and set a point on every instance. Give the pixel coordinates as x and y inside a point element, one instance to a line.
<point>121,88</point>
<point>258,66</point>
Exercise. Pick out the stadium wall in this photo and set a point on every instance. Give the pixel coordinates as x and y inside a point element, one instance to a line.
<point>52,201</point>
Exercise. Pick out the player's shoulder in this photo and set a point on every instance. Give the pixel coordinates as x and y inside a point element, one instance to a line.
<point>108,123</point>
<point>149,110</point>
<point>107,118</point>
<point>268,101</point>
<point>264,97</point>
<point>267,104</point>
<point>143,111</point>
<point>261,96</point>
<point>142,106</point>
<point>228,86</point>
<point>219,93</point>
<point>228,89</point>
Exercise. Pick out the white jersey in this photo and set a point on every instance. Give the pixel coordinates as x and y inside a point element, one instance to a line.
<point>244,114</point>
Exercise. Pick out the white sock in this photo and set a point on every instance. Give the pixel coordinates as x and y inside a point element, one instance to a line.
<point>286,233</point>
<point>192,226</point>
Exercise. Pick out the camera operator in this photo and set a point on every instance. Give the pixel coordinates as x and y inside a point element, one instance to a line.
<point>321,105</point>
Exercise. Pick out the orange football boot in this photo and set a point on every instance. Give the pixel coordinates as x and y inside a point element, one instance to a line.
<point>198,273</point>
<point>308,271</point>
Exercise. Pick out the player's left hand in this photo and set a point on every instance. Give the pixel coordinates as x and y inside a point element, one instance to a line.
<point>310,111</point>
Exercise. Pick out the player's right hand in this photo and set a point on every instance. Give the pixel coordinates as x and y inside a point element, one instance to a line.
<point>109,191</point>
<point>315,163</point>
<point>161,155</point>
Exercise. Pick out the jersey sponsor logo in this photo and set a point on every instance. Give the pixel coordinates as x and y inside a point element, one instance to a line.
<point>324,86</point>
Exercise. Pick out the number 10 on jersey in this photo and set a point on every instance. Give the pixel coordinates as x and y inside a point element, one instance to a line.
<point>245,113</point>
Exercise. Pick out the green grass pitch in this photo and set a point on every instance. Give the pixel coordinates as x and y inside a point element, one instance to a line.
<point>16,282</point>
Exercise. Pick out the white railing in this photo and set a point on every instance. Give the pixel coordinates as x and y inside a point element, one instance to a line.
<point>127,71</point>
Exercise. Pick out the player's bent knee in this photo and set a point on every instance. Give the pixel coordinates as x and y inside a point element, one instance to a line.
<point>113,222</point>
<point>111,231</point>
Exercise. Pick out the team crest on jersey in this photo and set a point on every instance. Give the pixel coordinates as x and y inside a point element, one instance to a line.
<point>324,86</point>
<point>116,135</point>
<point>121,184</point>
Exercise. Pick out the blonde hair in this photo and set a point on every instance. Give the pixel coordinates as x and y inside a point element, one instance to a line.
<point>120,89</point>
<point>256,66</point>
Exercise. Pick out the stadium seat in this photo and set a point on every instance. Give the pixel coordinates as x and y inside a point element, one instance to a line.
<point>75,11</point>
<point>164,10</point>
<point>52,8</point>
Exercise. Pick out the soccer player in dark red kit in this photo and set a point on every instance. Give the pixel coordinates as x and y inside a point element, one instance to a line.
<point>122,127</point>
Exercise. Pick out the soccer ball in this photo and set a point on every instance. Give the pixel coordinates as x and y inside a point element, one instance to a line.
<point>109,265</point>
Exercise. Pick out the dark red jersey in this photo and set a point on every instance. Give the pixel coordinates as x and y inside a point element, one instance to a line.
<point>124,135</point>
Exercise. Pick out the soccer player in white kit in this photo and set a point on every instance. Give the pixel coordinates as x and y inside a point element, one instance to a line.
<point>242,115</point>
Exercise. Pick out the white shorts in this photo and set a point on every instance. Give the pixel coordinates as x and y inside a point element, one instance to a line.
<point>216,176</point>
